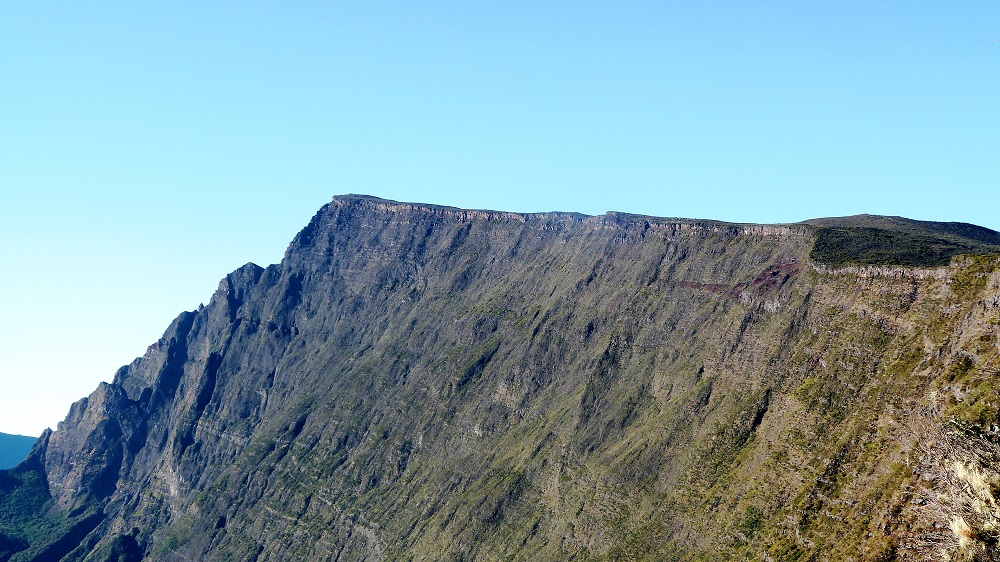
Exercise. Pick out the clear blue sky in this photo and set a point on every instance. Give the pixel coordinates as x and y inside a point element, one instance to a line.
<point>148,148</point>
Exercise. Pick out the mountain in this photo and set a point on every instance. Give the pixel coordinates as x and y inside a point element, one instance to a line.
<point>14,449</point>
<point>870,239</point>
<point>415,382</point>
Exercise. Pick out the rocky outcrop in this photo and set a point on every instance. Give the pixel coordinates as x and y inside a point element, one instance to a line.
<point>415,382</point>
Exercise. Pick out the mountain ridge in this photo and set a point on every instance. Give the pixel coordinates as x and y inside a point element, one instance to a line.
<point>961,229</point>
<point>864,220</point>
<point>416,382</point>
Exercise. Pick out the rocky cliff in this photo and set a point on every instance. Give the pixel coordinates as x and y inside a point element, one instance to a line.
<point>415,382</point>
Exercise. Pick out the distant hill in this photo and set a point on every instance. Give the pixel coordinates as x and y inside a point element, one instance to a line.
<point>14,448</point>
<point>879,240</point>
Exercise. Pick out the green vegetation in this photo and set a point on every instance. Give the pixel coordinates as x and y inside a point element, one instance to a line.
<point>871,246</point>
<point>24,502</point>
<point>875,240</point>
<point>29,528</point>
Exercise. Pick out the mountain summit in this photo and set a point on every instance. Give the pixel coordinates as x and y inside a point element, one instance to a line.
<point>415,382</point>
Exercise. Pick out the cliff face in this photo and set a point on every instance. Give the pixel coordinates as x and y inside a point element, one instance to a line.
<point>424,383</point>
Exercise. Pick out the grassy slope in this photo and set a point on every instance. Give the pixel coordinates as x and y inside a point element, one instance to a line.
<point>878,240</point>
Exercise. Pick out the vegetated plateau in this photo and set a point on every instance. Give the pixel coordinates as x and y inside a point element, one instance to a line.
<point>415,382</point>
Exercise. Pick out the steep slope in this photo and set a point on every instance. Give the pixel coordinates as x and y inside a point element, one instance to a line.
<point>415,382</point>
<point>14,449</point>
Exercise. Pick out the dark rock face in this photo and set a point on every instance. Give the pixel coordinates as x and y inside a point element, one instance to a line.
<point>424,383</point>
